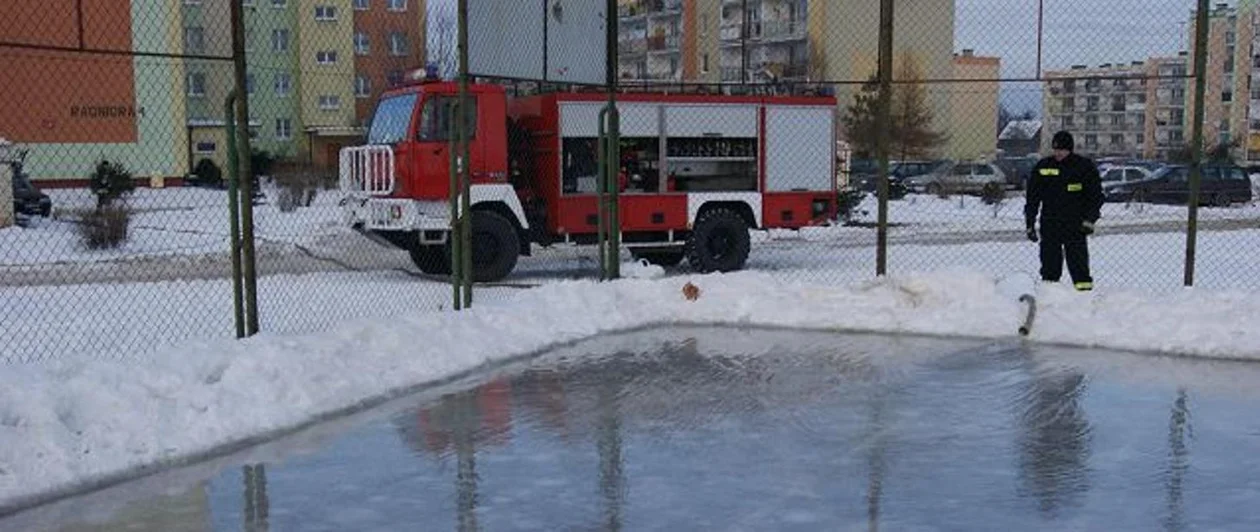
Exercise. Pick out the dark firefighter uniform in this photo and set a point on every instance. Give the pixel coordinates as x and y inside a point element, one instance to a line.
<point>1067,192</point>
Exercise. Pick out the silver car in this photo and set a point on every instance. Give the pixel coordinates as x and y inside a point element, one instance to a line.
<point>958,178</point>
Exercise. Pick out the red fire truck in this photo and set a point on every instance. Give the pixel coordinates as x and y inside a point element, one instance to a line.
<point>697,173</point>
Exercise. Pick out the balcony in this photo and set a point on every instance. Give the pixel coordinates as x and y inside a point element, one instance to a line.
<point>731,32</point>
<point>630,47</point>
<point>782,29</point>
<point>731,75</point>
<point>644,8</point>
<point>664,43</point>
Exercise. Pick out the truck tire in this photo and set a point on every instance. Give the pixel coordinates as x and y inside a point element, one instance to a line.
<point>663,258</point>
<point>719,242</point>
<point>495,246</point>
<point>431,259</point>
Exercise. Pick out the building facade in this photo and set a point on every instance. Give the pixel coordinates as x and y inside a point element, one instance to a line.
<point>389,38</point>
<point>72,109</point>
<point>1105,108</point>
<point>973,107</point>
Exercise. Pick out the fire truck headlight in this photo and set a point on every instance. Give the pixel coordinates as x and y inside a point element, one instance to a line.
<point>395,212</point>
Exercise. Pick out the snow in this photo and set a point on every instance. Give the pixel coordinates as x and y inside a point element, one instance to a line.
<point>67,423</point>
<point>165,222</point>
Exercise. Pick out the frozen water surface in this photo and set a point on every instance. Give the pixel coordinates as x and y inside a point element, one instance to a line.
<point>723,429</point>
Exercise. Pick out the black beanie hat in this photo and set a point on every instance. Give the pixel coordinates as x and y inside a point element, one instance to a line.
<point>1062,141</point>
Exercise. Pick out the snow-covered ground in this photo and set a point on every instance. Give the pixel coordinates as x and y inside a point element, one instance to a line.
<point>63,424</point>
<point>192,221</point>
<point>165,222</point>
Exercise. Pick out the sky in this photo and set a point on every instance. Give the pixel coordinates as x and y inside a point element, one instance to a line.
<point>1090,32</point>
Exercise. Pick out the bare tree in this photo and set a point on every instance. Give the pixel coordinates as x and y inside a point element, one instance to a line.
<point>443,40</point>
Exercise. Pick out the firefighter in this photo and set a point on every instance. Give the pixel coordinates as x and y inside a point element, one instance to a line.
<point>1066,190</point>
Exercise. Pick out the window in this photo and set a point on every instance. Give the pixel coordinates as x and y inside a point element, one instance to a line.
<point>326,57</point>
<point>284,128</point>
<point>280,40</point>
<point>362,46</point>
<point>362,86</point>
<point>1117,140</point>
<point>397,5</point>
<point>437,119</point>
<point>248,3</point>
<point>249,84</point>
<point>394,78</point>
<point>360,5</point>
<point>197,84</point>
<point>392,117</point>
<point>1139,139</point>
<point>704,60</point>
<point>1227,96</point>
<point>1113,176</point>
<point>1091,104</point>
<point>1091,141</point>
<point>1117,103</point>
<point>325,13</point>
<point>329,102</point>
<point>962,170</point>
<point>283,84</point>
<point>205,146</point>
<point>984,169</point>
<point>397,44</point>
<point>195,39</point>
<point>279,4</point>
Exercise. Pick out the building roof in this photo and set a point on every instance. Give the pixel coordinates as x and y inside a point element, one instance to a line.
<point>1020,130</point>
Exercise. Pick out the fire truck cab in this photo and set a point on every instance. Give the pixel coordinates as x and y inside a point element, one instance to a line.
<point>697,173</point>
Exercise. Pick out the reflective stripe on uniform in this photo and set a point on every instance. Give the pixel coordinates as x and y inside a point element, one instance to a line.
<point>1075,187</point>
<point>1049,171</point>
<point>1084,286</point>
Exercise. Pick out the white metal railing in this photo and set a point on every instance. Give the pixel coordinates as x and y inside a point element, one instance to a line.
<point>367,170</point>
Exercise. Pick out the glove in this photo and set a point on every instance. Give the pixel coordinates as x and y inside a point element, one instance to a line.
<point>1087,227</point>
<point>1032,234</point>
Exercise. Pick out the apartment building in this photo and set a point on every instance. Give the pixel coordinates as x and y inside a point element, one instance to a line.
<point>72,109</point>
<point>1166,98</point>
<point>972,123</point>
<point>764,40</point>
<point>1228,75</point>
<point>389,39</point>
<point>659,39</point>
<point>314,71</point>
<point>1105,108</point>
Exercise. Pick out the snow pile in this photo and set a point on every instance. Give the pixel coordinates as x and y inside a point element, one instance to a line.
<point>64,425</point>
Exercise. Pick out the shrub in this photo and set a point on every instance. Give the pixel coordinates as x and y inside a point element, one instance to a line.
<point>111,181</point>
<point>993,193</point>
<point>208,173</point>
<point>106,227</point>
<point>848,201</point>
<point>297,184</point>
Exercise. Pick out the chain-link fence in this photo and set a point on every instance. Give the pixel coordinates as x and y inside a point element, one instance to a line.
<point>732,115</point>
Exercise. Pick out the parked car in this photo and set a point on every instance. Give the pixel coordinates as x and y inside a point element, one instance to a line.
<point>1118,175</point>
<point>958,178</point>
<point>898,172</point>
<point>1017,170</point>
<point>27,199</point>
<point>1221,186</point>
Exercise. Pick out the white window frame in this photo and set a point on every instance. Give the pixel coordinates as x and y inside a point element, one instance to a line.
<point>362,86</point>
<point>285,89</point>
<point>395,38</point>
<point>393,5</point>
<point>325,13</point>
<point>201,31</point>
<point>189,80</point>
<point>214,146</point>
<point>326,57</point>
<point>362,5</point>
<point>284,128</point>
<point>329,102</point>
<point>275,34</point>
<point>362,43</point>
<point>279,4</point>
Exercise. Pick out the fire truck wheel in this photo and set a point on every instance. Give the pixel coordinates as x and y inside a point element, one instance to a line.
<point>495,246</point>
<point>433,260</point>
<point>719,242</point>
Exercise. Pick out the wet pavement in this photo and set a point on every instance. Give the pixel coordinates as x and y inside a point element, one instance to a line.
<point>718,429</point>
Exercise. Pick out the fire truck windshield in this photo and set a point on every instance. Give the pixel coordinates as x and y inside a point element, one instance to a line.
<point>393,115</point>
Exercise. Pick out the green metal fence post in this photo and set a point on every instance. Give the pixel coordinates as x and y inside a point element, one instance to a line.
<point>248,267</point>
<point>465,227</point>
<point>234,211</point>
<point>601,193</point>
<point>883,134</point>
<point>614,141</point>
<point>1196,166</point>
